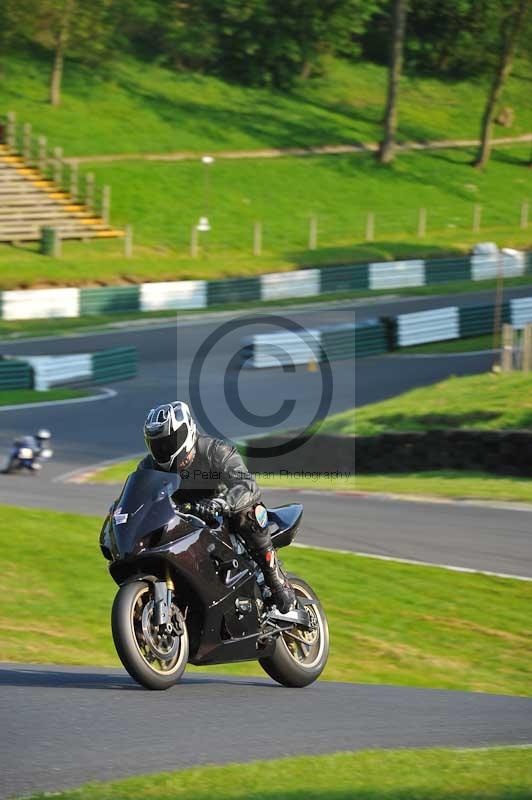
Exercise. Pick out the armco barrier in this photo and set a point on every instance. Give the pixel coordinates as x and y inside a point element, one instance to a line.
<point>114,365</point>
<point>330,343</point>
<point>312,282</point>
<point>43,372</point>
<point>477,320</point>
<point>380,336</point>
<point>51,371</point>
<point>15,374</point>
<point>428,326</point>
<point>109,300</point>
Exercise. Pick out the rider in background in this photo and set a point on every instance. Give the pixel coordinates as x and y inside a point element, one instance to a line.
<point>214,477</point>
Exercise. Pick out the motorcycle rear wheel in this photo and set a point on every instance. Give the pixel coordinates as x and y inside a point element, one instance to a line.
<point>156,661</point>
<point>300,656</point>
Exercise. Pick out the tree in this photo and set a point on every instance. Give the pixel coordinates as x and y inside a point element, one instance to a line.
<point>512,26</point>
<point>270,42</point>
<point>398,26</point>
<point>63,28</point>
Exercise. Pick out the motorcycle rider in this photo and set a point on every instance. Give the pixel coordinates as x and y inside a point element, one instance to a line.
<point>214,477</point>
<point>36,443</point>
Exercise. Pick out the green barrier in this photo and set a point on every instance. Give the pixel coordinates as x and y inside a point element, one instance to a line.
<point>339,343</point>
<point>233,290</point>
<point>371,339</point>
<point>15,375</point>
<point>109,300</point>
<point>445,271</point>
<point>346,278</point>
<point>476,320</point>
<point>114,365</point>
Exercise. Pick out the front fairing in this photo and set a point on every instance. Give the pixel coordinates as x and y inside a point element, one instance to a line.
<point>143,513</point>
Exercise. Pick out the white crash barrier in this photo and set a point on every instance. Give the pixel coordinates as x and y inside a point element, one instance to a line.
<point>173,295</point>
<point>428,326</point>
<point>396,274</point>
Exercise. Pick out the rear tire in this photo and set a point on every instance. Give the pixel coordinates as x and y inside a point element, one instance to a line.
<point>295,664</point>
<point>130,611</point>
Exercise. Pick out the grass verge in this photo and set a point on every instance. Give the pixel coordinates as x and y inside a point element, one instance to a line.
<point>470,345</point>
<point>431,774</point>
<point>17,397</point>
<point>442,483</point>
<point>488,401</point>
<point>390,622</point>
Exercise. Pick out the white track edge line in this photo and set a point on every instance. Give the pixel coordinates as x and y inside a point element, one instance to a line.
<point>90,468</point>
<point>414,562</point>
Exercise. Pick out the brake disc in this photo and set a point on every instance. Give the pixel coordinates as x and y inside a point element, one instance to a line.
<point>162,644</point>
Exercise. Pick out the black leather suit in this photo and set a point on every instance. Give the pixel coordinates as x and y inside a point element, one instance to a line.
<point>217,470</point>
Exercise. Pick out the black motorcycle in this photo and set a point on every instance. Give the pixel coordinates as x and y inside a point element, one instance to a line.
<point>191,591</point>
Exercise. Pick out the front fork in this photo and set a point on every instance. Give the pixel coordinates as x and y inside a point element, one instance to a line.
<point>163,595</point>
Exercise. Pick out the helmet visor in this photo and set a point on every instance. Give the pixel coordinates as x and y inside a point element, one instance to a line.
<point>165,448</point>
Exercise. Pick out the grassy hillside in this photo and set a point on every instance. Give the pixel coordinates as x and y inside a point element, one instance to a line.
<point>56,595</point>
<point>486,401</point>
<point>134,107</point>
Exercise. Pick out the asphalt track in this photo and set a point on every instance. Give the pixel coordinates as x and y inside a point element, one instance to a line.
<point>65,726</point>
<point>62,727</point>
<point>87,433</point>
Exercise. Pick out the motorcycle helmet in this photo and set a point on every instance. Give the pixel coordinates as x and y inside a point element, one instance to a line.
<point>43,435</point>
<point>170,434</point>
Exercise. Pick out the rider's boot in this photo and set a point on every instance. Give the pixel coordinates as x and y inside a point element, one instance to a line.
<point>282,593</point>
<point>253,523</point>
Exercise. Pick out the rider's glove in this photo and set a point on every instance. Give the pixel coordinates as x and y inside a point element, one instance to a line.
<point>211,509</point>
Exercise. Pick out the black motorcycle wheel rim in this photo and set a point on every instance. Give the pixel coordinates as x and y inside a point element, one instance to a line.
<point>160,650</point>
<point>305,646</point>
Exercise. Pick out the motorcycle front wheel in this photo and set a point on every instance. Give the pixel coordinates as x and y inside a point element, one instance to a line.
<point>155,657</point>
<point>300,654</point>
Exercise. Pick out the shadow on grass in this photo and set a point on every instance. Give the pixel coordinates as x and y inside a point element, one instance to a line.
<point>365,252</point>
<point>399,421</point>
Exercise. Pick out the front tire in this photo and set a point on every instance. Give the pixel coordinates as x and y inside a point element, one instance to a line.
<point>294,663</point>
<point>156,661</point>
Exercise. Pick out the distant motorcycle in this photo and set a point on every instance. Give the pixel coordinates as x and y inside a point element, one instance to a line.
<point>29,452</point>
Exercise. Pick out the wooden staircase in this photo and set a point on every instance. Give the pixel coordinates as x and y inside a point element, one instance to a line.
<point>30,201</point>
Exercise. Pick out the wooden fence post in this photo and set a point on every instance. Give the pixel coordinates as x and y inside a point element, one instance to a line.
<point>11,135</point>
<point>42,154</point>
<point>26,141</point>
<point>58,165</point>
<point>524,214</point>
<point>370,227</point>
<point>89,190</point>
<point>106,204</point>
<point>128,241</point>
<point>194,242</point>
<point>507,348</point>
<point>477,214</point>
<point>313,232</point>
<point>257,239</point>
<point>422,223</point>
<point>74,180</point>
<point>527,348</point>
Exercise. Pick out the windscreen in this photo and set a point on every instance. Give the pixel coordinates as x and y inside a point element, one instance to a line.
<point>147,486</point>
